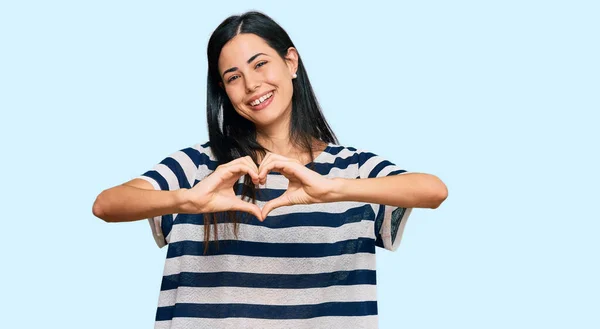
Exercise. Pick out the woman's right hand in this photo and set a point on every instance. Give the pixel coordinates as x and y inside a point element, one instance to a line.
<point>215,192</point>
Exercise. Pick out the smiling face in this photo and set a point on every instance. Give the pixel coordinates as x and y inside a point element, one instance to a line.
<point>257,80</point>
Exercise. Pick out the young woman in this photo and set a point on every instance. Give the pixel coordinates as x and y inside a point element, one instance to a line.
<point>270,223</point>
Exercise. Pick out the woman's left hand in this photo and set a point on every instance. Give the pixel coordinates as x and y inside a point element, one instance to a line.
<point>305,186</point>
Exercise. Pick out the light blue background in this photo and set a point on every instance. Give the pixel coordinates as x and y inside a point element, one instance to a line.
<point>498,98</point>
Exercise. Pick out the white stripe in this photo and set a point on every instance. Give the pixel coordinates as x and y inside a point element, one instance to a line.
<point>369,165</point>
<point>296,234</point>
<point>157,231</point>
<point>350,172</point>
<point>188,166</point>
<point>168,175</point>
<point>264,296</point>
<point>274,182</point>
<point>168,325</point>
<point>325,322</point>
<point>202,172</point>
<point>388,169</point>
<point>269,265</point>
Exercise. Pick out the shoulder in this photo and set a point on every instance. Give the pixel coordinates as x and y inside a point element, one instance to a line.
<point>204,153</point>
<point>199,154</point>
<point>340,161</point>
<point>353,161</point>
<point>348,152</point>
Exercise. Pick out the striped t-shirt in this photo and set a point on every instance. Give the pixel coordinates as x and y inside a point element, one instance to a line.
<point>304,266</point>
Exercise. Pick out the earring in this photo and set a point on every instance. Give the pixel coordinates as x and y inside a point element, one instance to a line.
<point>294,76</point>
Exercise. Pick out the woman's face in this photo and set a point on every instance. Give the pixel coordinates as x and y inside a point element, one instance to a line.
<point>251,72</point>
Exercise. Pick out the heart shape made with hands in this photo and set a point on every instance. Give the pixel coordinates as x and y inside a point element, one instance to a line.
<point>305,185</point>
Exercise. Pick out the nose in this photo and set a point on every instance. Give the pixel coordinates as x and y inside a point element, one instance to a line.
<point>252,84</point>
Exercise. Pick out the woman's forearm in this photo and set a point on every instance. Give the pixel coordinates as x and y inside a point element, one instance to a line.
<point>409,190</point>
<point>124,203</point>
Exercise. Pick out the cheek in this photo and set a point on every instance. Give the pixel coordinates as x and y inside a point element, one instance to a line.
<point>281,81</point>
<point>234,95</point>
<point>285,85</point>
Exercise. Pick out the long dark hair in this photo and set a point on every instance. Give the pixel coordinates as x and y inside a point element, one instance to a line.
<point>233,136</point>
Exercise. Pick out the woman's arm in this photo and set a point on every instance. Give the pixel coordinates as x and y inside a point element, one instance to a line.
<point>136,200</point>
<point>408,190</point>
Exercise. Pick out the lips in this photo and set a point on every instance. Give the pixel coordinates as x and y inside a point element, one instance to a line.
<point>257,97</point>
<point>264,104</point>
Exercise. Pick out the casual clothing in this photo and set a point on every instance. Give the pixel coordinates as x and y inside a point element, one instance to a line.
<point>304,266</point>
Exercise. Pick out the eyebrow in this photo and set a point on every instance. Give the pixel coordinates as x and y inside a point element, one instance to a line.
<point>248,61</point>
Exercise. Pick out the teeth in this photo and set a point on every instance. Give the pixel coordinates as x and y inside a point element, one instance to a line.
<point>262,99</point>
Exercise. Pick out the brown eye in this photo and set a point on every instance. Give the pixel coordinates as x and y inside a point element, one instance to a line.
<point>260,64</point>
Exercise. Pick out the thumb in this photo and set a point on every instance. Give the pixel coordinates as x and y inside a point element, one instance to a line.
<point>249,208</point>
<point>275,203</point>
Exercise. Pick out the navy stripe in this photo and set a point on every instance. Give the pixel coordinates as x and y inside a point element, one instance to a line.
<point>262,194</point>
<point>396,172</point>
<point>210,164</point>
<point>375,171</point>
<point>271,281</point>
<point>364,157</point>
<point>162,182</point>
<point>338,163</point>
<point>319,219</point>
<point>166,224</point>
<point>265,249</point>
<point>379,220</point>
<point>379,242</point>
<point>334,150</point>
<point>397,215</point>
<point>281,312</point>
<point>176,168</point>
<point>196,156</point>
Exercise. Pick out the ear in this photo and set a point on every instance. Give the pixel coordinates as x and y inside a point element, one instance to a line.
<point>291,59</point>
<point>221,84</point>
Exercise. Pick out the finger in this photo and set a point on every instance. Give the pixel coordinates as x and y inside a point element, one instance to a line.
<point>263,163</point>
<point>264,160</point>
<point>281,201</point>
<point>263,169</point>
<point>287,168</point>
<point>248,160</point>
<point>252,163</point>
<point>249,208</point>
<point>243,159</point>
<point>238,169</point>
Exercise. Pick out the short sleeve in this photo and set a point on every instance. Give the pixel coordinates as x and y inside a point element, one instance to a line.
<point>178,170</point>
<point>389,220</point>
